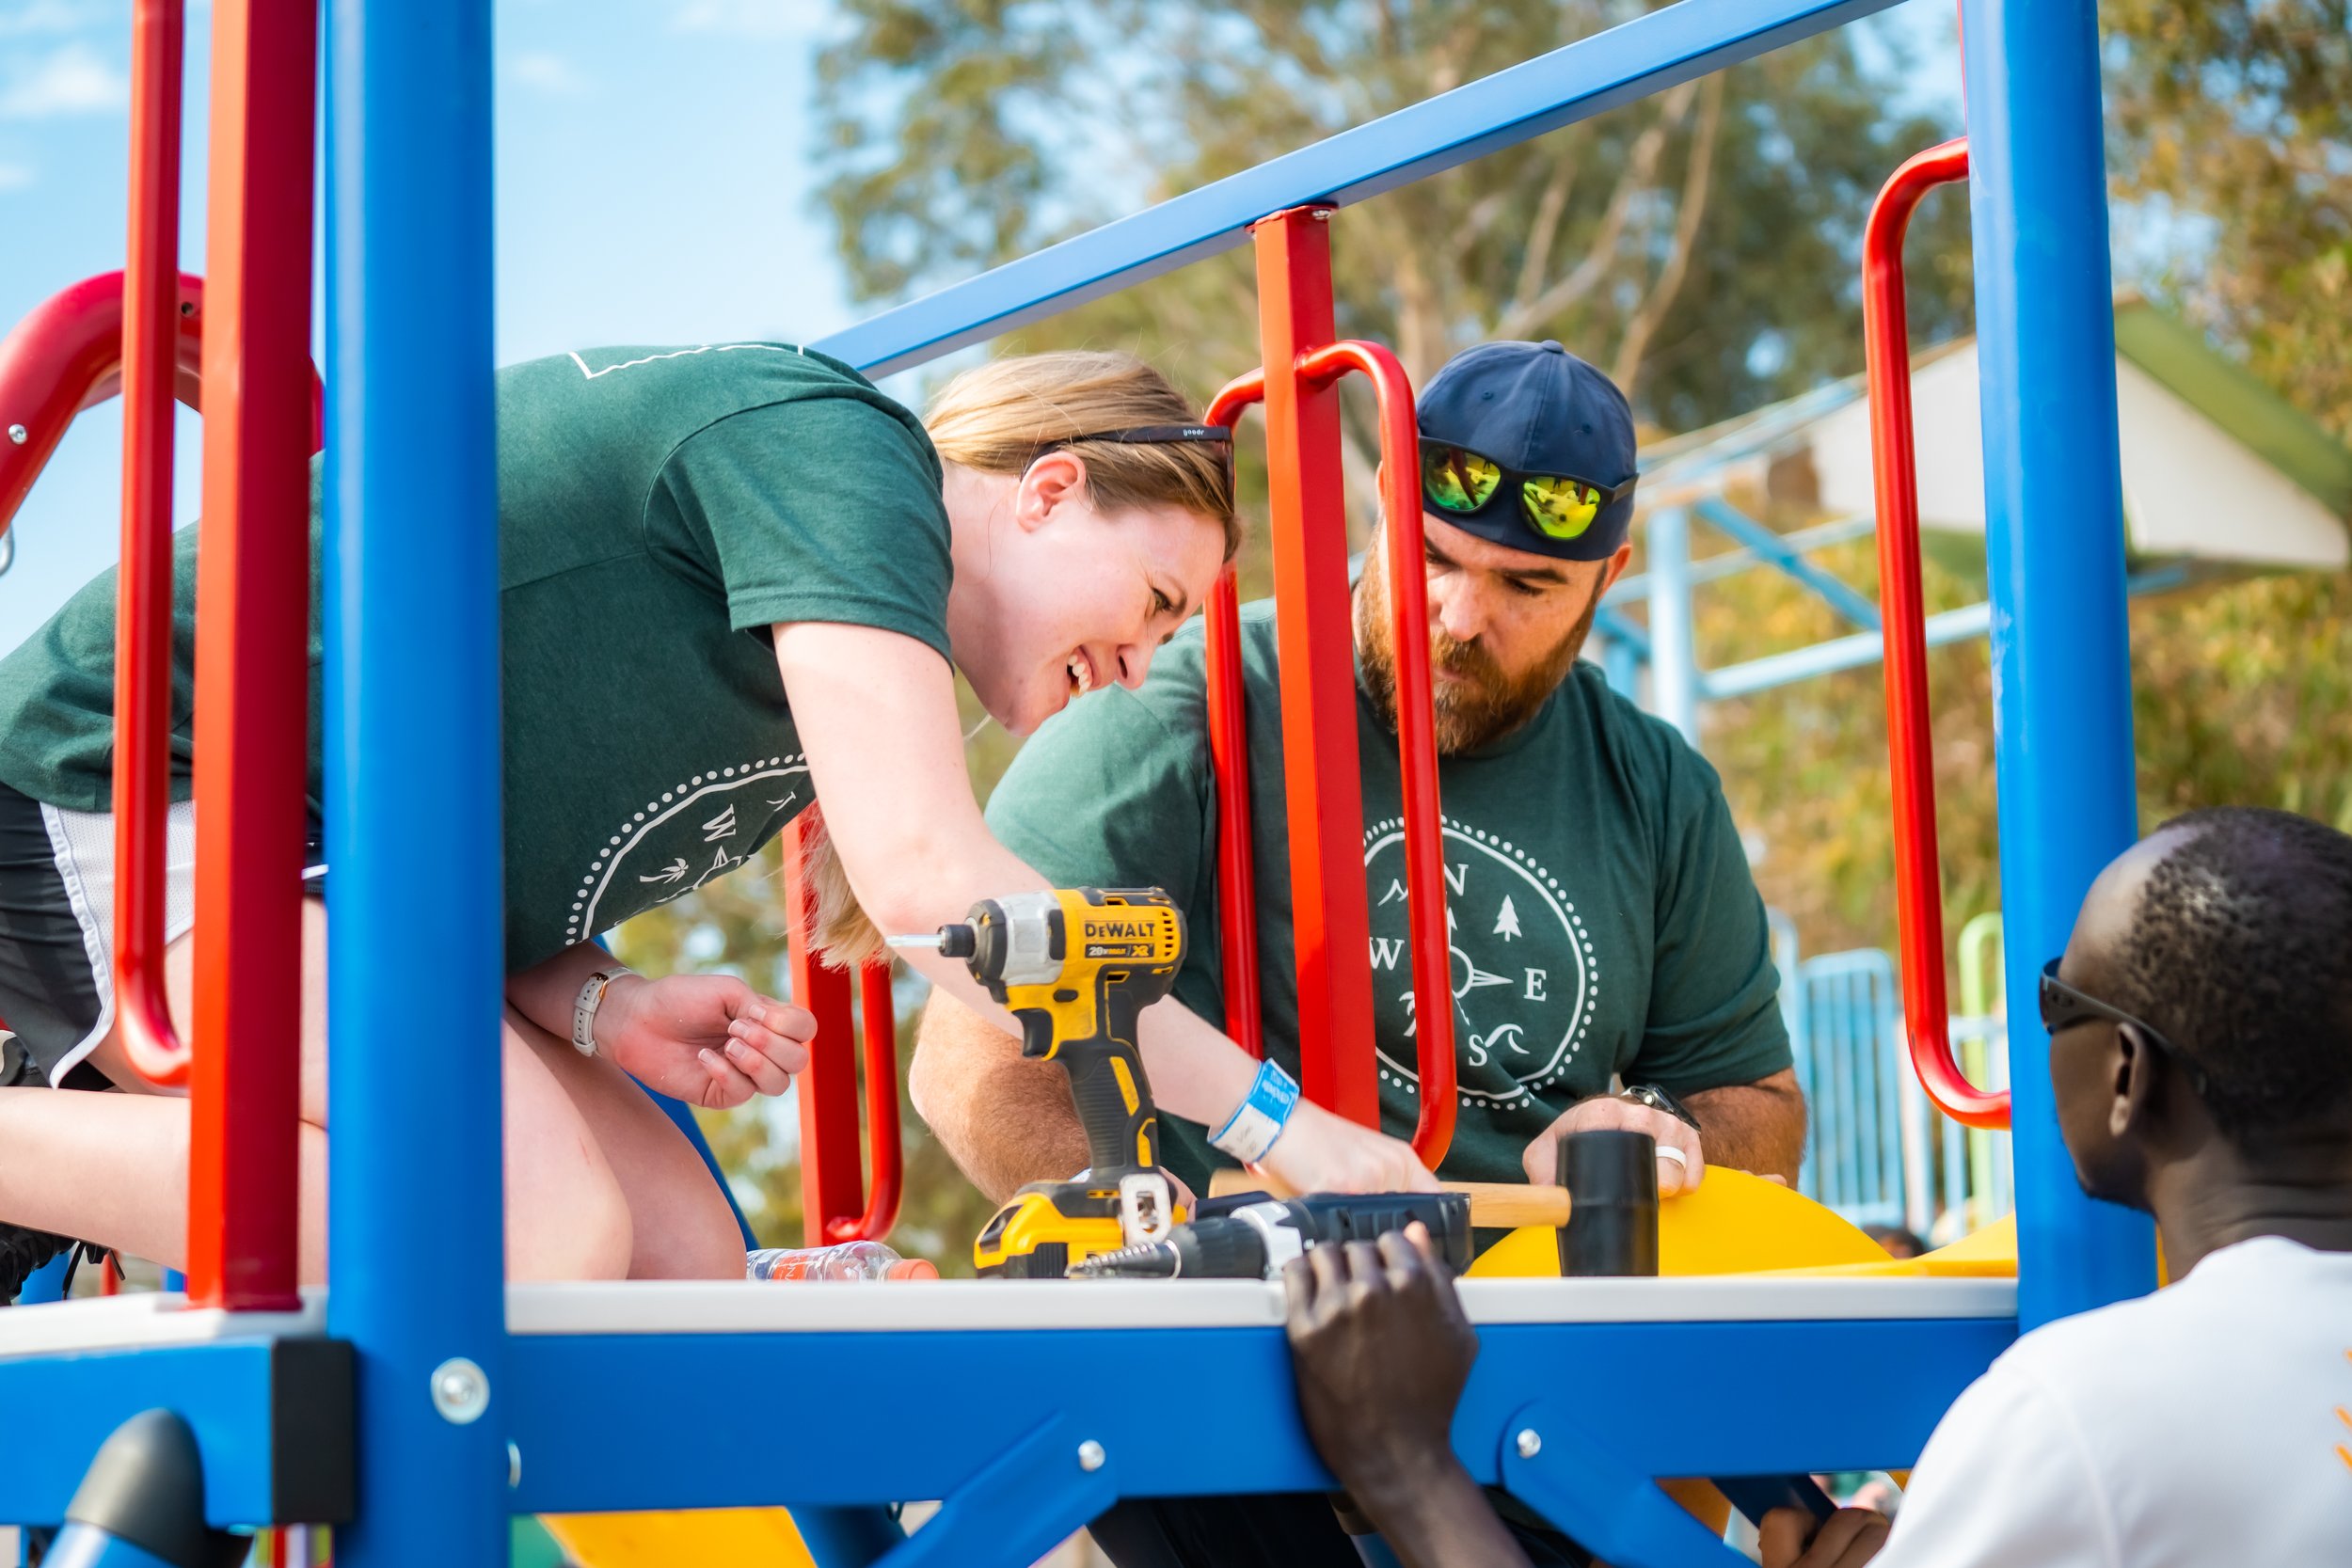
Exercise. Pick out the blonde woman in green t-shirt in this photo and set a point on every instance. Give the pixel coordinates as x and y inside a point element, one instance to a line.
<point>735,579</point>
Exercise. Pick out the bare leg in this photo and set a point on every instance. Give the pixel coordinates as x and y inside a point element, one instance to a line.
<point>681,1225</point>
<point>113,1169</point>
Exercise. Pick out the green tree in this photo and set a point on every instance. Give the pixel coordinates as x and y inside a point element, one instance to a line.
<point>1699,244</point>
<point>2230,167</point>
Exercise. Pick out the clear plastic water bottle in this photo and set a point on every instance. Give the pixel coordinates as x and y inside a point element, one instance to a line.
<point>846,1261</point>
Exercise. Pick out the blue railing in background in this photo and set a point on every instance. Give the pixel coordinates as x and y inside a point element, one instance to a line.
<point>1876,1150</point>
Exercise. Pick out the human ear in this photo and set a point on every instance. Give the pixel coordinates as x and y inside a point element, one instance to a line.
<point>1615,569</point>
<point>2134,1082</point>
<point>1052,481</point>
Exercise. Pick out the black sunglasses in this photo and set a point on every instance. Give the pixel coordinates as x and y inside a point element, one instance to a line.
<point>1146,436</point>
<point>2063,1007</point>
<point>1461,484</point>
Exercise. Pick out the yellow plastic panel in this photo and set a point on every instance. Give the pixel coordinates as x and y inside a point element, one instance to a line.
<point>1733,1223</point>
<point>713,1537</point>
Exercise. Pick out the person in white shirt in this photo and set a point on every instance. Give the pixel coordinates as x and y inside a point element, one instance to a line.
<point>2200,1053</point>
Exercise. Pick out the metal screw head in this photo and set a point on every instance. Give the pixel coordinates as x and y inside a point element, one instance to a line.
<point>461,1390</point>
<point>1529,1442</point>
<point>18,435</point>
<point>1090,1456</point>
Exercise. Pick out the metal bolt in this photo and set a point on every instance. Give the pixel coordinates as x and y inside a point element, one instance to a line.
<point>461,1390</point>
<point>18,434</point>
<point>1529,1442</point>
<point>1090,1456</point>
<point>514,1464</point>
<point>1323,214</point>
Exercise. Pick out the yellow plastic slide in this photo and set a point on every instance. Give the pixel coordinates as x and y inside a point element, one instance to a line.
<point>702,1538</point>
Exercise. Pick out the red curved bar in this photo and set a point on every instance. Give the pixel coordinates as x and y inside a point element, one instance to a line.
<point>832,1184</point>
<point>1416,730</point>
<point>1229,758</point>
<point>153,331</point>
<point>64,356</point>
<point>888,1157</point>
<point>1911,749</point>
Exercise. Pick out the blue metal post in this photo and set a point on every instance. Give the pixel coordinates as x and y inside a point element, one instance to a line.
<point>416,1202</point>
<point>2054,543</point>
<point>1674,660</point>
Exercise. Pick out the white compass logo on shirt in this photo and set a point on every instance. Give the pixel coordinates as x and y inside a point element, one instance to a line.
<point>703,828</point>
<point>1523,973</point>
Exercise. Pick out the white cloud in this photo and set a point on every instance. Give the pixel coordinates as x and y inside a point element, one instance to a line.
<point>551,74</point>
<point>771,19</point>
<point>72,80</point>
<point>15,176</point>
<point>46,16</point>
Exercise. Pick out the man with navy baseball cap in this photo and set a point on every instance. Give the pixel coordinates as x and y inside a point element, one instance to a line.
<point>1610,961</point>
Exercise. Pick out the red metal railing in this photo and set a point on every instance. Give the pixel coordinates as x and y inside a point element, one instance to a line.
<point>150,324</point>
<point>1228,760</point>
<point>836,1202</point>
<point>65,356</point>
<point>1315,631</point>
<point>253,577</point>
<point>151,336</point>
<point>1911,741</point>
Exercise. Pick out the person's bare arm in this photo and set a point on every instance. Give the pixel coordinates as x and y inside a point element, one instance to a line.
<point>1005,1119</point>
<point>1381,1349</point>
<point>1754,1127</point>
<point>876,714</point>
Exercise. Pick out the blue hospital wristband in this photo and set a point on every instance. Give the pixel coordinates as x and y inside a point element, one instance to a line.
<point>1259,1120</point>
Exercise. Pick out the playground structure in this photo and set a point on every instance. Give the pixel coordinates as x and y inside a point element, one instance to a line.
<point>418,1401</point>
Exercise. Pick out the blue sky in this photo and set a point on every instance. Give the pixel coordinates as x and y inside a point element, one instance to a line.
<point>653,186</point>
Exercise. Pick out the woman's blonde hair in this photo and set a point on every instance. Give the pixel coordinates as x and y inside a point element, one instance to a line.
<point>998,419</point>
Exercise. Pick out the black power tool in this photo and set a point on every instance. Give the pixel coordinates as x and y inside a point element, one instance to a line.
<point>1250,1235</point>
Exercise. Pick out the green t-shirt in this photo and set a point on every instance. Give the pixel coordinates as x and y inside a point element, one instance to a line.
<point>658,509</point>
<point>1604,920</point>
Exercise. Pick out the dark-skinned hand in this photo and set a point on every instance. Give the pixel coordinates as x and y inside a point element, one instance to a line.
<point>1382,1349</point>
<point>1847,1539</point>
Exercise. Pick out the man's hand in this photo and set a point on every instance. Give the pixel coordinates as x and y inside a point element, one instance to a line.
<point>1320,1152</point>
<point>1382,1351</point>
<point>1382,1348</point>
<point>1542,1159</point>
<point>708,1039</point>
<point>1848,1538</point>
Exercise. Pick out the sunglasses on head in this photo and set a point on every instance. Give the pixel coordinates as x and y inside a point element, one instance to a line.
<point>2063,1007</point>
<point>1462,483</point>
<point>1148,435</point>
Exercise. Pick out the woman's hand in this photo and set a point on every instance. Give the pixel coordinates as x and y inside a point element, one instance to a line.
<point>708,1039</point>
<point>1320,1152</point>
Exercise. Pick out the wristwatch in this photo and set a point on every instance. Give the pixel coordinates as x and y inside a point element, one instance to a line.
<point>585,1008</point>
<point>1659,1100</point>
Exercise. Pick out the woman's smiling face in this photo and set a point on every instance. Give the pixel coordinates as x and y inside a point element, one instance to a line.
<point>1066,598</point>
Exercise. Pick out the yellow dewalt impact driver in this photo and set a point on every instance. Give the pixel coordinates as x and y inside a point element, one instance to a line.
<point>1076,966</point>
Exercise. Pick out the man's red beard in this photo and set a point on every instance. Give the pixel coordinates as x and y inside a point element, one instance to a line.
<point>1482,706</point>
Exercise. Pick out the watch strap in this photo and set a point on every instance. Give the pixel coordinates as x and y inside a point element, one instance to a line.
<point>585,1008</point>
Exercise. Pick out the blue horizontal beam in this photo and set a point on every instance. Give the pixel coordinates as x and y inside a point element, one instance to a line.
<point>1838,652</point>
<point>1667,47</point>
<point>265,1422</point>
<point>1617,626</point>
<point>1867,647</point>
<point>682,1400</point>
<point>1777,552</point>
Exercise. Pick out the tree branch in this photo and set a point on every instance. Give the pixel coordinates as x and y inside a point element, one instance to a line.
<point>1696,180</point>
<point>1641,167</point>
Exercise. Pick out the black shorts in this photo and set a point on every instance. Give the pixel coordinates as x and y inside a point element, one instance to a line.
<point>56,932</point>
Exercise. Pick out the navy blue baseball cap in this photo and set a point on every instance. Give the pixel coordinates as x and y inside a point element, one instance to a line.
<point>1535,408</point>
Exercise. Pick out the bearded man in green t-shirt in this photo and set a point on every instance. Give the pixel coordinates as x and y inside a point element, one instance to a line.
<point>1611,965</point>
